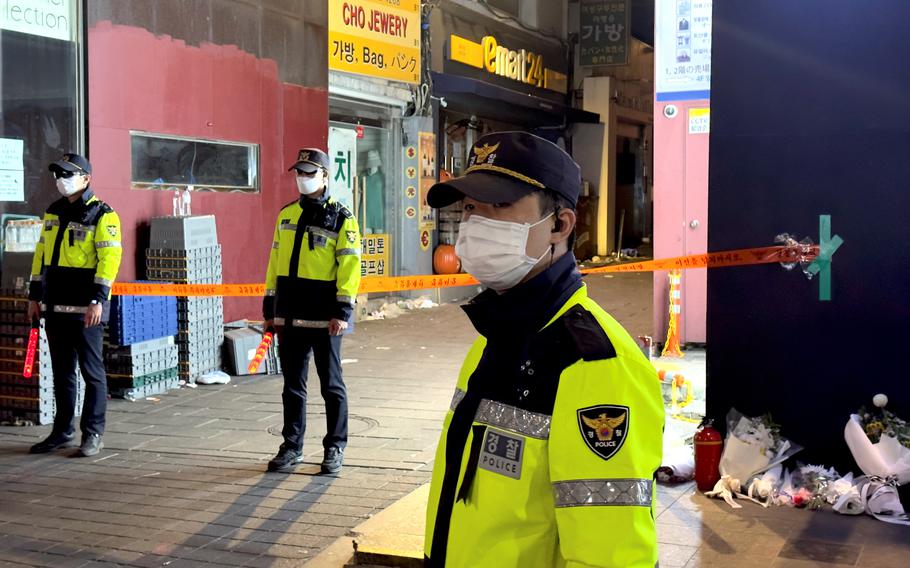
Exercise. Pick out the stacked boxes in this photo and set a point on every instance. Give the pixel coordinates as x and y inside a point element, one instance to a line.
<point>185,250</point>
<point>20,398</point>
<point>141,357</point>
<point>139,318</point>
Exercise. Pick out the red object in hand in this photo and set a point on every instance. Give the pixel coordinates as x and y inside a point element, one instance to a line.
<point>29,366</point>
<point>709,446</point>
<point>260,353</point>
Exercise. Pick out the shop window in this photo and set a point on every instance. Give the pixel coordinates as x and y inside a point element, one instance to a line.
<point>41,88</point>
<point>169,162</point>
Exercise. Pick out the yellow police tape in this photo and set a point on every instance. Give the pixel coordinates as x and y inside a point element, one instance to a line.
<point>373,284</point>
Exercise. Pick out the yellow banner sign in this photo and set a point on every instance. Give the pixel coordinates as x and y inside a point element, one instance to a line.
<point>519,65</point>
<point>379,38</point>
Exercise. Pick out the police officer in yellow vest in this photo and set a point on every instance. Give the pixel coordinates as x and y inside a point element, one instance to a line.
<point>311,284</point>
<point>548,453</point>
<point>74,267</point>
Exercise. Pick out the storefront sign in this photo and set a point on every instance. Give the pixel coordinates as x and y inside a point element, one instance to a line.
<point>604,38</point>
<point>46,18</point>
<point>374,260</point>
<point>515,64</point>
<point>699,120</point>
<point>12,170</point>
<point>379,38</point>
<point>427,178</point>
<point>683,52</point>
<point>343,155</point>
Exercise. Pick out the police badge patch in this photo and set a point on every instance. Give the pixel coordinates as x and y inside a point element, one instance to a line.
<point>112,230</point>
<point>352,236</point>
<point>604,428</point>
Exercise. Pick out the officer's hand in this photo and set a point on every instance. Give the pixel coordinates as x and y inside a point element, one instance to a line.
<point>336,326</point>
<point>270,324</point>
<point>93,315</point>
<point>34,311</point>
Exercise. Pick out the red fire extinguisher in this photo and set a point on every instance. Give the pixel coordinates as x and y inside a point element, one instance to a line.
<point>709,446</point>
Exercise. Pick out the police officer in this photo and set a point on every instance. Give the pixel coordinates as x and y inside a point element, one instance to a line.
<point>548,453</point>
<point>312,282</point>
<point>73,269</point>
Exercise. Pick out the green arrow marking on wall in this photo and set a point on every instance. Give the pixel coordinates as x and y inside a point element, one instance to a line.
<point>822,264</point>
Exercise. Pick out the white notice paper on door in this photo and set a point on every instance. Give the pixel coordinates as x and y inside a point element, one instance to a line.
<point>12,174</point>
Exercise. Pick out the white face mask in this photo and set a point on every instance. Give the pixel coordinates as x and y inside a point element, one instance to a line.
<point>309,185</point>
<point>495,252</point>
<point>69,186</point>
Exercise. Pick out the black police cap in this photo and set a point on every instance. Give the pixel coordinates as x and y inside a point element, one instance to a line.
<point>311,156</point>
<point>503,167</point>
<point>72,163</point>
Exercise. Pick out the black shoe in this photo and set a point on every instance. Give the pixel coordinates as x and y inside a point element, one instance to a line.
<point>91,445</point>
<point>53,442</point>
<point>332,461</point>
<point>286,460</point>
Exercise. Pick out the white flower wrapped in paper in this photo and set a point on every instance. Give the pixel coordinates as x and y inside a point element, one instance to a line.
<point>751,448</point>
<point>886,459</point>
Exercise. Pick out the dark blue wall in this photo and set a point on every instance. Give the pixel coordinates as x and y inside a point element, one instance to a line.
<point>810,107</point>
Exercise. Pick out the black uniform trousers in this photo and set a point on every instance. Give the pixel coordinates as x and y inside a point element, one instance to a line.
<point>294,348</point>
<point>72,343</point>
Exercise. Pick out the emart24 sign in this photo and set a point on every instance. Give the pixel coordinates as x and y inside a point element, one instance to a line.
<point>379,38</point>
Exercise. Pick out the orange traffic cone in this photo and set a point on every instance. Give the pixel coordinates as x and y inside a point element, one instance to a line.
<point>671,347</point>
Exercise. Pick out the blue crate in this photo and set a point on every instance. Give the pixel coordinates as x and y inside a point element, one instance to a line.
<point>141,318</point>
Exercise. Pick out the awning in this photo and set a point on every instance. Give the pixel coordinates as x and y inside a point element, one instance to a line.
<point>472,96</point>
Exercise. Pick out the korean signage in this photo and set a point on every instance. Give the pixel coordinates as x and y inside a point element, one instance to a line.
<point>604,37</point>
<point>521,65</point>
<point>379,38</point>
<point>427,178</point>
<point>682,64</point>
<point>374,258</point>
<point>343,157</point>
<point>46,18</point>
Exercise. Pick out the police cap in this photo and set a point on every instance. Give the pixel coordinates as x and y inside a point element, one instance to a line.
<point>309,157</point>
<point>72,163</point>
<point>503,167</point>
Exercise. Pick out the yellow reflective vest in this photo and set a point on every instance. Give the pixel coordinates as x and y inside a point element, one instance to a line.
<point>77,257</point>
<point>550,461</point>
<point>314,265</point>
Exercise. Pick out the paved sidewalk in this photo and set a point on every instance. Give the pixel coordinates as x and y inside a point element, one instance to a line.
<point>181,481</point>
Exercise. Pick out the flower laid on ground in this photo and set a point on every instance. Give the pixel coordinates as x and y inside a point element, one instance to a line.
<point>753,446</point>
<point>880,443</point>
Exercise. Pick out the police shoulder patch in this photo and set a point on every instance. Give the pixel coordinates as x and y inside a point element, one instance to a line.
<point>112,230</point>
<point>604,428</point>
<point>352,236</point>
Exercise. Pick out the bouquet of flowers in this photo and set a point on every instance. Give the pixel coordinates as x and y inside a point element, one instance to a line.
<point>880,443</point>
<point>753,446</point>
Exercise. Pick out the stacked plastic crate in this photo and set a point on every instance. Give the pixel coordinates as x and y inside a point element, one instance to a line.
<point>22,398</point>
<point>185,250</point>
<point>141,356</point>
